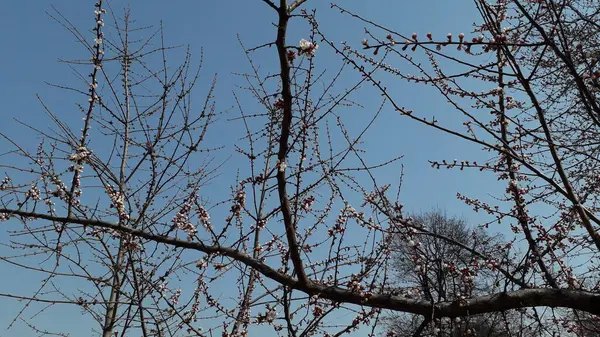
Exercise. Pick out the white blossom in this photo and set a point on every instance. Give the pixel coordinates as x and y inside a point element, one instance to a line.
<point>271,315</point>
<point>282,167</point>
<point>308,48</point>
<point>80,154</point>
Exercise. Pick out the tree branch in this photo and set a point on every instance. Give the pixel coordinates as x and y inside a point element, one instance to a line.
<point>286,93</point>
<point>564,298</point>
<point>271,4</point>
<point>295,5</point>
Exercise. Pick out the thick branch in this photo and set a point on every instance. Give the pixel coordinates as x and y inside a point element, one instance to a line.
<point>295,5</point>
<point>271,4</point>
<point>565,298</point>
<point>286,93</point>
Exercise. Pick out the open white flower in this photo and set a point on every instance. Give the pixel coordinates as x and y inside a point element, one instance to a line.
<point>308,48</point>
<point>305,44</point>
<point>271,315</point>
<point>282,167</point>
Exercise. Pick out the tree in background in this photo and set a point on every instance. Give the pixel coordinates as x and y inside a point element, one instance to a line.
<point>439,269</point>
<point>308,229</point>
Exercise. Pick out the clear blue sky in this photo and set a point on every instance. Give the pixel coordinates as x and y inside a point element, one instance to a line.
<point>32,43</point>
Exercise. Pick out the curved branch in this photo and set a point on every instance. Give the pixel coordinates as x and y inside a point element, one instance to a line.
<point>546,297</point>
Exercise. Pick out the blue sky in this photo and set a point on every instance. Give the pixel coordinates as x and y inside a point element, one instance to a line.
<point>32,44</point>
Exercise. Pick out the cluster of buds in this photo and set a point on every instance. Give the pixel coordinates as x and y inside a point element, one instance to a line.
<point>260,224</point>
<point>291,56</point>
<point>364,317</point>
<point>356,287</point>
<point>348,212</point>
<point>97,232</point>
<point>268,246</point>
<point>413,244</point>
<point>259,179</point>
<point>5,184</point>
<point>98,12</point>
<point>373,197</point>
<point>279,104</point>
<point>76,168</point>
<point>514,189</point>
<point>190,315</point>
<point>317,309</point>
<point>592,76</point>
<point>468,274</point>
<point>478,205</point>
<point>33,193</point>
<point>390,38</point>
<point>219,266</point>
<point>496,91</point>
<point>339,226</point>
<point>478,39</point>
<point>495,42</point>
<point>354,284</point>
<point>203,216</point>
<point>412,293</point>
<point>511,103</point>
<point>451,267</point>
<point>99,51</point>
<point>239,201</point>
<point>461,41</point>
<point>307,203</point>
<point>48,201</point>
<point>130,243</point>
<point>370,198</point>
<point>174,299</point>
<point>181,220</point>
<point>117,201</point>
<point>240,198</point>
<point>572,281</point>
<point>81,154</point>
<point>491,264</point>
<point>461,164</point>
<point>201,264</point>
<point>61,188</point>
<point>573,327</point>
<point>269,316</point>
